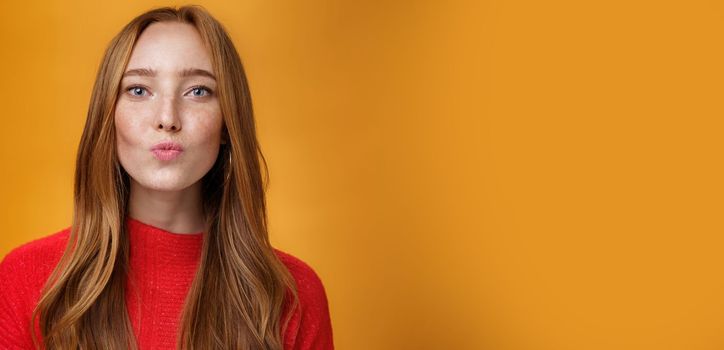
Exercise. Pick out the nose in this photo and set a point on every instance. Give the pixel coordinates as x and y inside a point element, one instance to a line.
<point>165,126</point>
<point>168,116</point>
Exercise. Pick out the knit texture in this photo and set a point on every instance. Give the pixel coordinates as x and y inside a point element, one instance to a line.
<point>162,267</point>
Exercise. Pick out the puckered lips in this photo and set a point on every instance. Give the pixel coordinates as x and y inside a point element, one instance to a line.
<point>166,150</point>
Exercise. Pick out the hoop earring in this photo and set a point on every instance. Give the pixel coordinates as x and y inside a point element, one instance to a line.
<point>228,169</point>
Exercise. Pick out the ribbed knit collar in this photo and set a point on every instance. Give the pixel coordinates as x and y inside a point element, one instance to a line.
<point>162,268</point>
<point>153,246</point>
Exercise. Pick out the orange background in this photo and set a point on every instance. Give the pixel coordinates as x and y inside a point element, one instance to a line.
<point>461,174</point>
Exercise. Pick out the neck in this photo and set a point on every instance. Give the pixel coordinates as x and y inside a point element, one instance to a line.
<point>174,211</point>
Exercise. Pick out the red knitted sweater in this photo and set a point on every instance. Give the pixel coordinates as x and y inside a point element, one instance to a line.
<point>162,266</point>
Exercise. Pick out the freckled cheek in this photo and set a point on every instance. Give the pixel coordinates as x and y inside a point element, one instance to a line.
<point>128,123</point>
<point>206,124</point>
<point>206,131</point>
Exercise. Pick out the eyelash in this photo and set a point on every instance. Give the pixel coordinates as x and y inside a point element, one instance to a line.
<point>202,87</point>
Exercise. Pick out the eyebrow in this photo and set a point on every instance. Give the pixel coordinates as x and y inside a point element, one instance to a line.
<point>188,72</point>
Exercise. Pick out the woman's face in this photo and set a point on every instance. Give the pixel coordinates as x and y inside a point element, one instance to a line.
<point>168,95</point>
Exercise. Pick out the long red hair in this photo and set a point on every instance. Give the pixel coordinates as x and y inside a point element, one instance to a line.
<point>83,302</point>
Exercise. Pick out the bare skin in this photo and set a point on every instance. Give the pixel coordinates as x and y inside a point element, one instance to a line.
<point>168,106</point>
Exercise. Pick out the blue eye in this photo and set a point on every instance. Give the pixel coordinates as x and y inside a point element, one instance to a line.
<point>199,90</point>
<point>136,89</point>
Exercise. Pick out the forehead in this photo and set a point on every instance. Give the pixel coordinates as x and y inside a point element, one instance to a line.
<point>170,46</point>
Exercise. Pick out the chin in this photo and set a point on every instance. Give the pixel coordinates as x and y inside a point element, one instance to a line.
<point>165,187</point>
<point>172,185</point>
<point>163,183</point>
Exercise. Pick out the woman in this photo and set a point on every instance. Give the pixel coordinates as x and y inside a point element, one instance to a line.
<point>168,247</point>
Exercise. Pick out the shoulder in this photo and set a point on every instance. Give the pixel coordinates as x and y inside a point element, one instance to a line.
<point>23,273</point>
<point>35,259</point>
<point>310,325</point>
<point>310,288</point>
<point>309,284</point>
<point>40,249</point>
